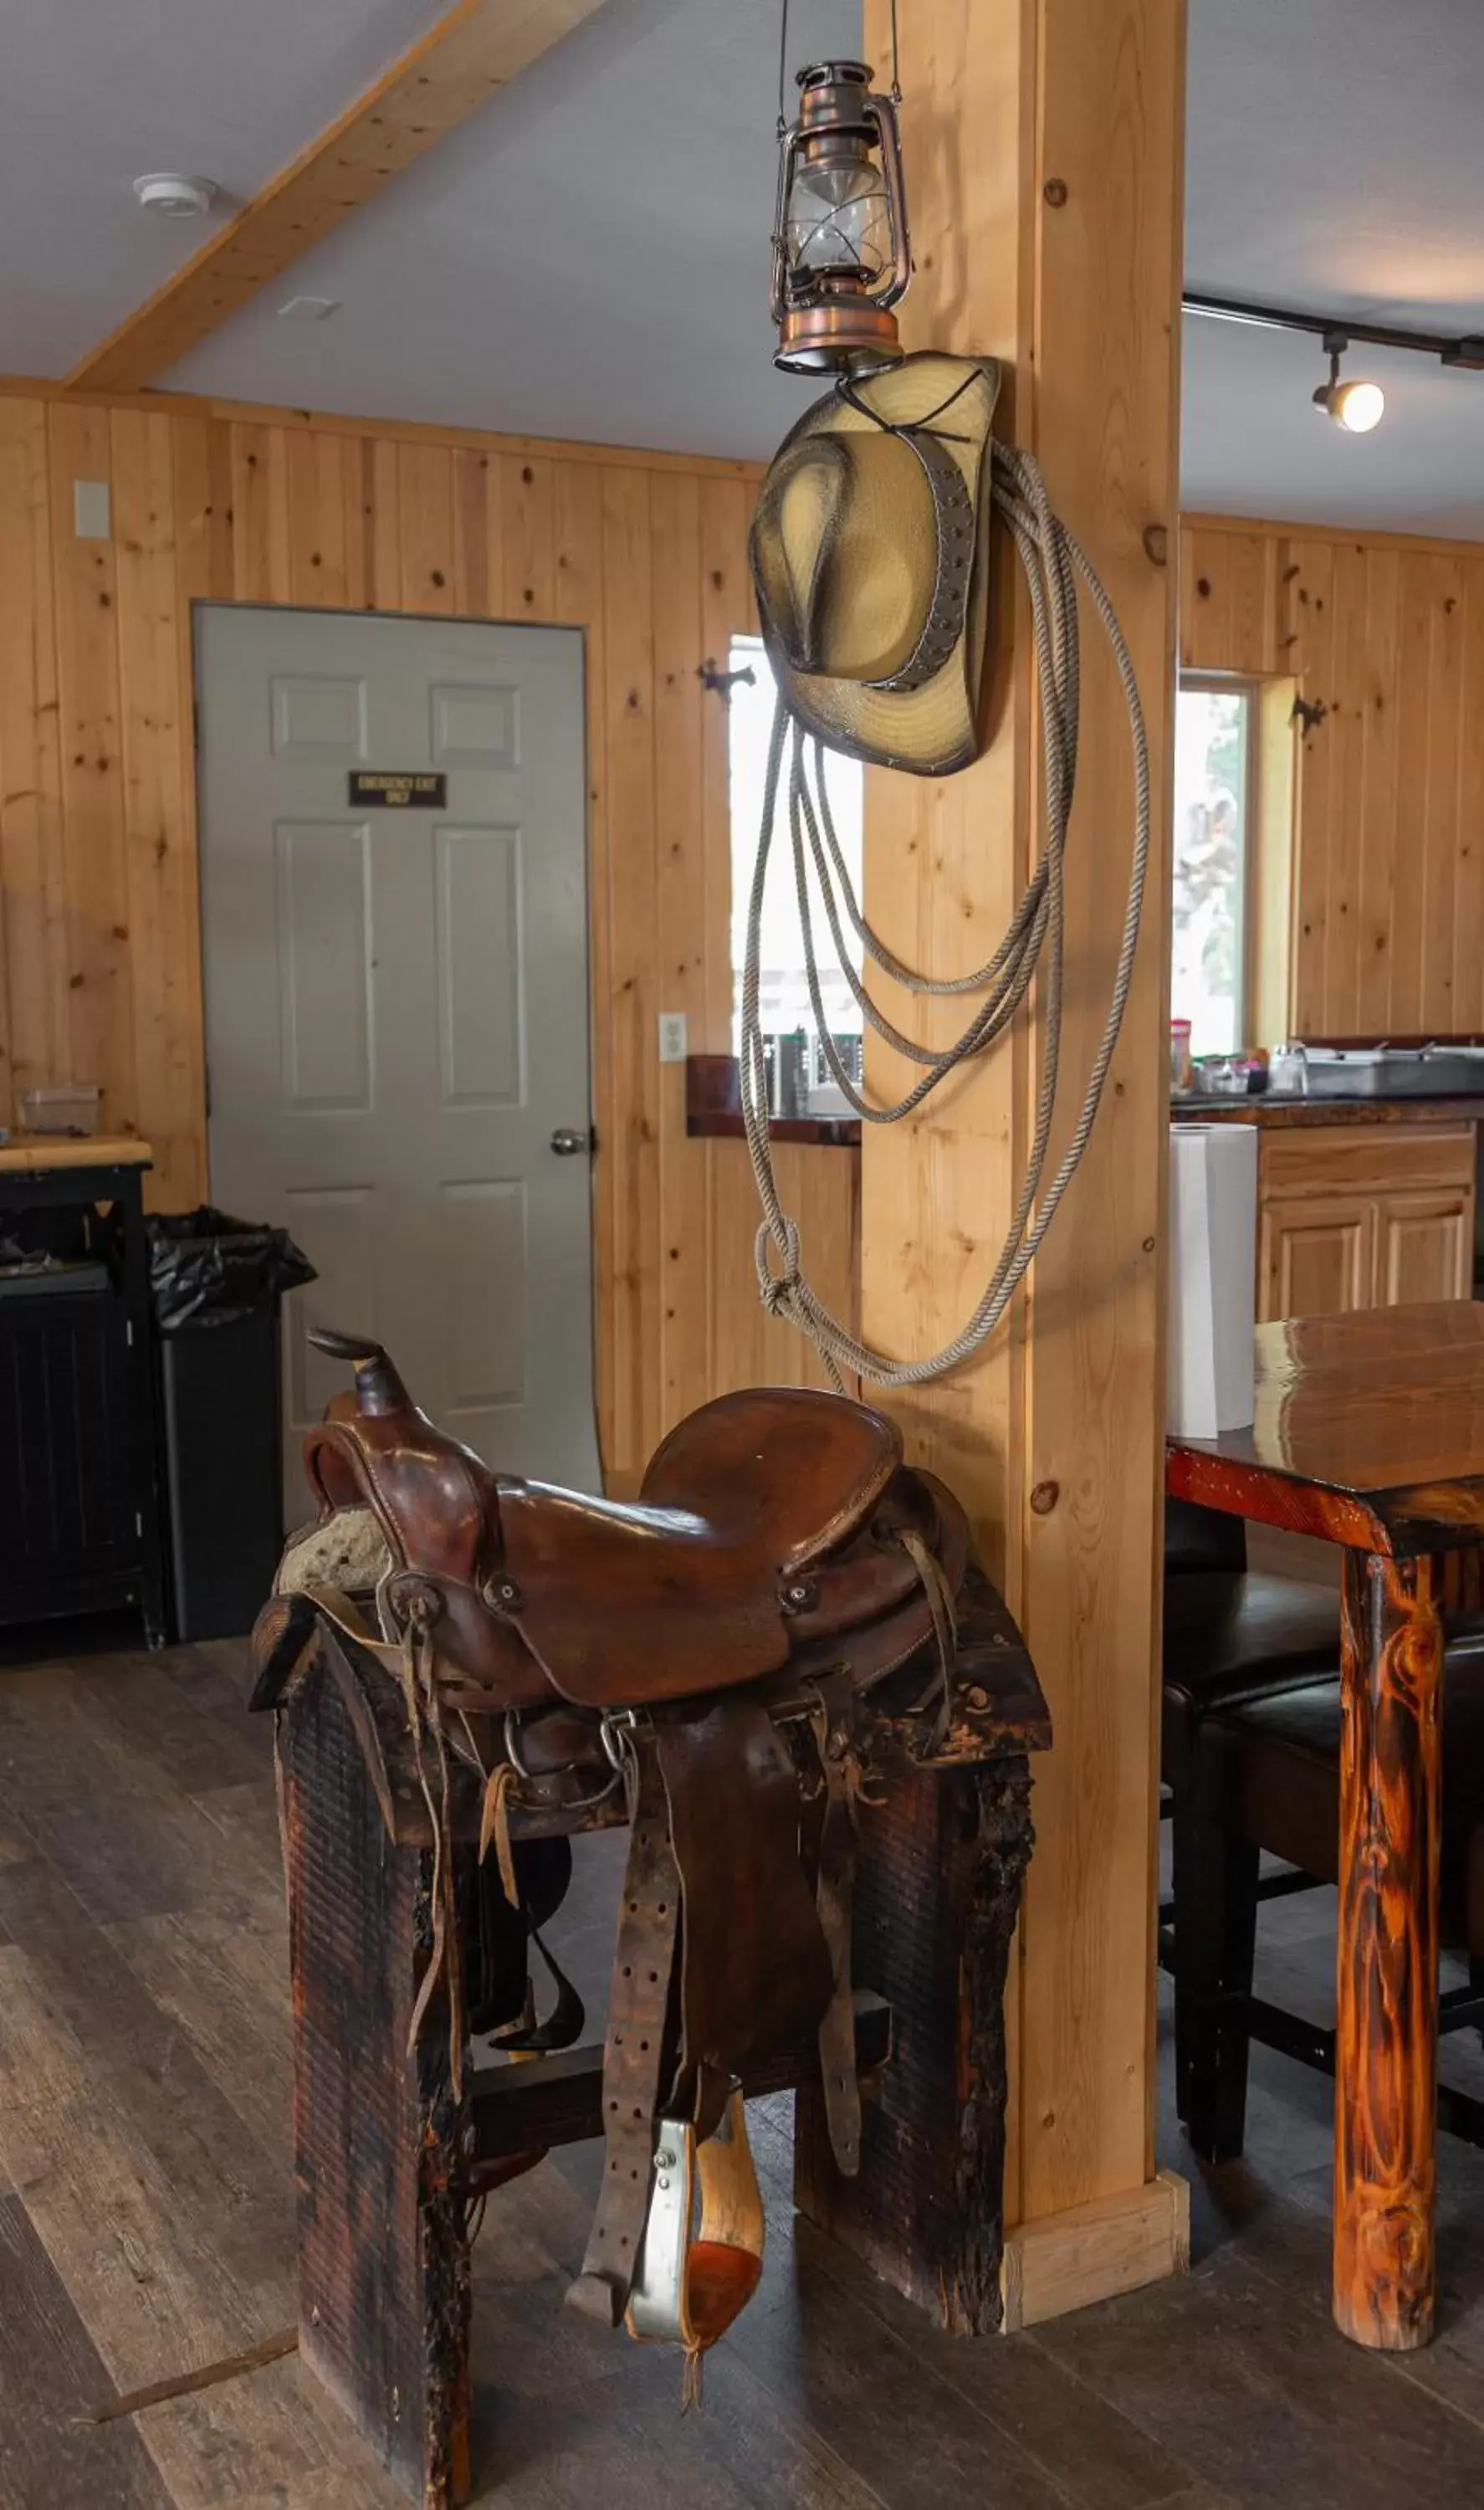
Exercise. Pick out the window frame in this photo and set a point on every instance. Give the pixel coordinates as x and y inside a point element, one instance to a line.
<point>1248,685</point>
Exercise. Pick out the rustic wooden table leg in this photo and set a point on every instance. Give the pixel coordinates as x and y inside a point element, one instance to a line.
<point>937,1891</point>
<point>384,2280</point>
<point>1385,2052</point>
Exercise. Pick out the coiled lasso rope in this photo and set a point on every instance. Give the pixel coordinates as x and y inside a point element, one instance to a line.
<point>1052,561</point>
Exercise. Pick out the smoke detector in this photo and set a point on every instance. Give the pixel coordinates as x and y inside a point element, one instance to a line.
<point>174,195</point>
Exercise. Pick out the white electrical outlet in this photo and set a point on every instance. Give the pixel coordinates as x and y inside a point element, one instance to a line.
<point>674,1045</point>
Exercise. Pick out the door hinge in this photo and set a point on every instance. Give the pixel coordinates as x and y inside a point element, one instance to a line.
<point>139,1523</point>
<point>129,1332</point>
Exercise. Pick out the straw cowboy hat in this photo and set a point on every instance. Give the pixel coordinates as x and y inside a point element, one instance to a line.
<point>871,556</point>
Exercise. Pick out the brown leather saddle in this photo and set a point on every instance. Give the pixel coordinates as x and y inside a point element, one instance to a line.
<point>705,1650</point>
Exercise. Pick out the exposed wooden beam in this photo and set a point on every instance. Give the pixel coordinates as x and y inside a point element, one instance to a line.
<point>477,49</point>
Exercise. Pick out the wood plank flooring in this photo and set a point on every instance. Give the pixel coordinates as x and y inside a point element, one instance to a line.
<point>145,2224</point>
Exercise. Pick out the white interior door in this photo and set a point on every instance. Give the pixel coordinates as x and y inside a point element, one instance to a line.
<point>397,1006</point>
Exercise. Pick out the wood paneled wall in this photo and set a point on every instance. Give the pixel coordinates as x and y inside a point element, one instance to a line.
<point>99,954</point>
<point>1386,636</point>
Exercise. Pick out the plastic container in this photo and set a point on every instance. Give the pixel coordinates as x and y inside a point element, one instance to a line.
<point>61,1107</point>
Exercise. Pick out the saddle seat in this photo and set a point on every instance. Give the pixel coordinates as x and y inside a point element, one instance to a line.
<point>768,1522</point>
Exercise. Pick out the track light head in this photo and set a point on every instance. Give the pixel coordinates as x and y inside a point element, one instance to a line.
<point>1356,406</point>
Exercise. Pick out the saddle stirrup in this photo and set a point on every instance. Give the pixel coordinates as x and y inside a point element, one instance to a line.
<point>691,2283</point>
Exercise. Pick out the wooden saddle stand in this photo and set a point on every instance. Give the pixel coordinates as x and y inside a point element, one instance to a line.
<point>784,1671</point>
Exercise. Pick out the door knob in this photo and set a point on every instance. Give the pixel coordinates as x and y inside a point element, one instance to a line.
<point>566,1142</point>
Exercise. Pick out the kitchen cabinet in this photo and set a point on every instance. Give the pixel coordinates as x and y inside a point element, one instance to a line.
<point>1373,1216</point>
<point>1317,1255</point>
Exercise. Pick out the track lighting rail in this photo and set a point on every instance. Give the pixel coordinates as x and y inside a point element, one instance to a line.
<point>1465,350</point>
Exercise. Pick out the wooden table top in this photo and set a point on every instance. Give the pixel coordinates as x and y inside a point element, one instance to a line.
<point>1369,1430</point>
<point>34,1153</point>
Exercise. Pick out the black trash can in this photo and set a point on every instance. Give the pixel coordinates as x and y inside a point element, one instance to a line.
<point>216,1285</point>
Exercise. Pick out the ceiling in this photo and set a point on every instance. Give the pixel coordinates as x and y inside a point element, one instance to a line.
<point>588,256</point>
<point>1333,163</point>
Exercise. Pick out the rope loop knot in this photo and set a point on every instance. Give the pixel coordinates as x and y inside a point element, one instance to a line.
<point>778,1291</point>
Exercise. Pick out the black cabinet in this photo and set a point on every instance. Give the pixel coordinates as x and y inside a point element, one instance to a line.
<point>79,1514</point>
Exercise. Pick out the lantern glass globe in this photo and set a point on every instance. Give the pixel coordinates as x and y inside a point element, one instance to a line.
<point>839,219</point>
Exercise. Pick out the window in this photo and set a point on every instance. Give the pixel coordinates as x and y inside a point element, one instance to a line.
<point>1214,722</point>
<point>787,1008</point>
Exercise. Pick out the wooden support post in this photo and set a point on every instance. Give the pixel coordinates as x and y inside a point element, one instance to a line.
<point>1385,2034</point>
<point>384,2289</point>
<point>1043,155</point>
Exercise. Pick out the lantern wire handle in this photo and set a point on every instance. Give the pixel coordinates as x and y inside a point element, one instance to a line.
<point>783,65</point>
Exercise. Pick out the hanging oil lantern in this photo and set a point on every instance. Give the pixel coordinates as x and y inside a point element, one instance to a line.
<point>842,255</point>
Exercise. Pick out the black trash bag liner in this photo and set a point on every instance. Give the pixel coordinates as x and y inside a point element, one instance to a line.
<point>208,1269</point>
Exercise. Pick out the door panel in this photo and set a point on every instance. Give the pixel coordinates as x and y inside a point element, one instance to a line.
<point>396,1007</point>
<point>1425,1247</point>
<point>325,966</point>
<point>481,1011</point>
<point>1316,1256</point>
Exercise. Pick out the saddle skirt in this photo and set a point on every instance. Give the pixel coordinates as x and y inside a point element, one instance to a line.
<point>707,1648</point>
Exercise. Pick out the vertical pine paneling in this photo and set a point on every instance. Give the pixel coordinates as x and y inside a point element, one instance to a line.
<point>263,565</point>
<point>99,974</point>
<point>205,519</point>
<point>382,479</point>
<point>680,704</point>
<point>527,577</point>
<point>425,491</point>
<point>1434,1005</point>
<point>578,601</point>
<point>634,1182</point>
<point>473,584</point>
<point>35,996</point>
<point>159,834</point>
<point>1388,636</point>
<point>318,542</point>
<point>1415,730</point>
<point>726,611</point>
<point>1378,794</point>
<point>1341,734</point>
<point>1308,646</point>
<point>1228,600</point>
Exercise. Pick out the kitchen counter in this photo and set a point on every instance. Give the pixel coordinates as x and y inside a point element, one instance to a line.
<point>42,1154</point>
<point>1276,1112</point>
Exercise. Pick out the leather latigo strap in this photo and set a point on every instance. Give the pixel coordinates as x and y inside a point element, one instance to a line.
<point>756,1973</point>
<point>834,1895</point>
<point>634,2052</point>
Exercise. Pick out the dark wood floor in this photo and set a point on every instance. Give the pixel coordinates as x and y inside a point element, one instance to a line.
<point>145,2227</point>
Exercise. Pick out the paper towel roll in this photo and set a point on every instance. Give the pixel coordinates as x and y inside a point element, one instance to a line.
<point>1212,1279</point>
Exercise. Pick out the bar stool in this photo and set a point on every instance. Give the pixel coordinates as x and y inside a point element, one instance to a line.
<point>1251,1739</point>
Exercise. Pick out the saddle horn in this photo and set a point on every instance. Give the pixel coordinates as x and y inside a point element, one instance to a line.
<point>378,1385</point>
